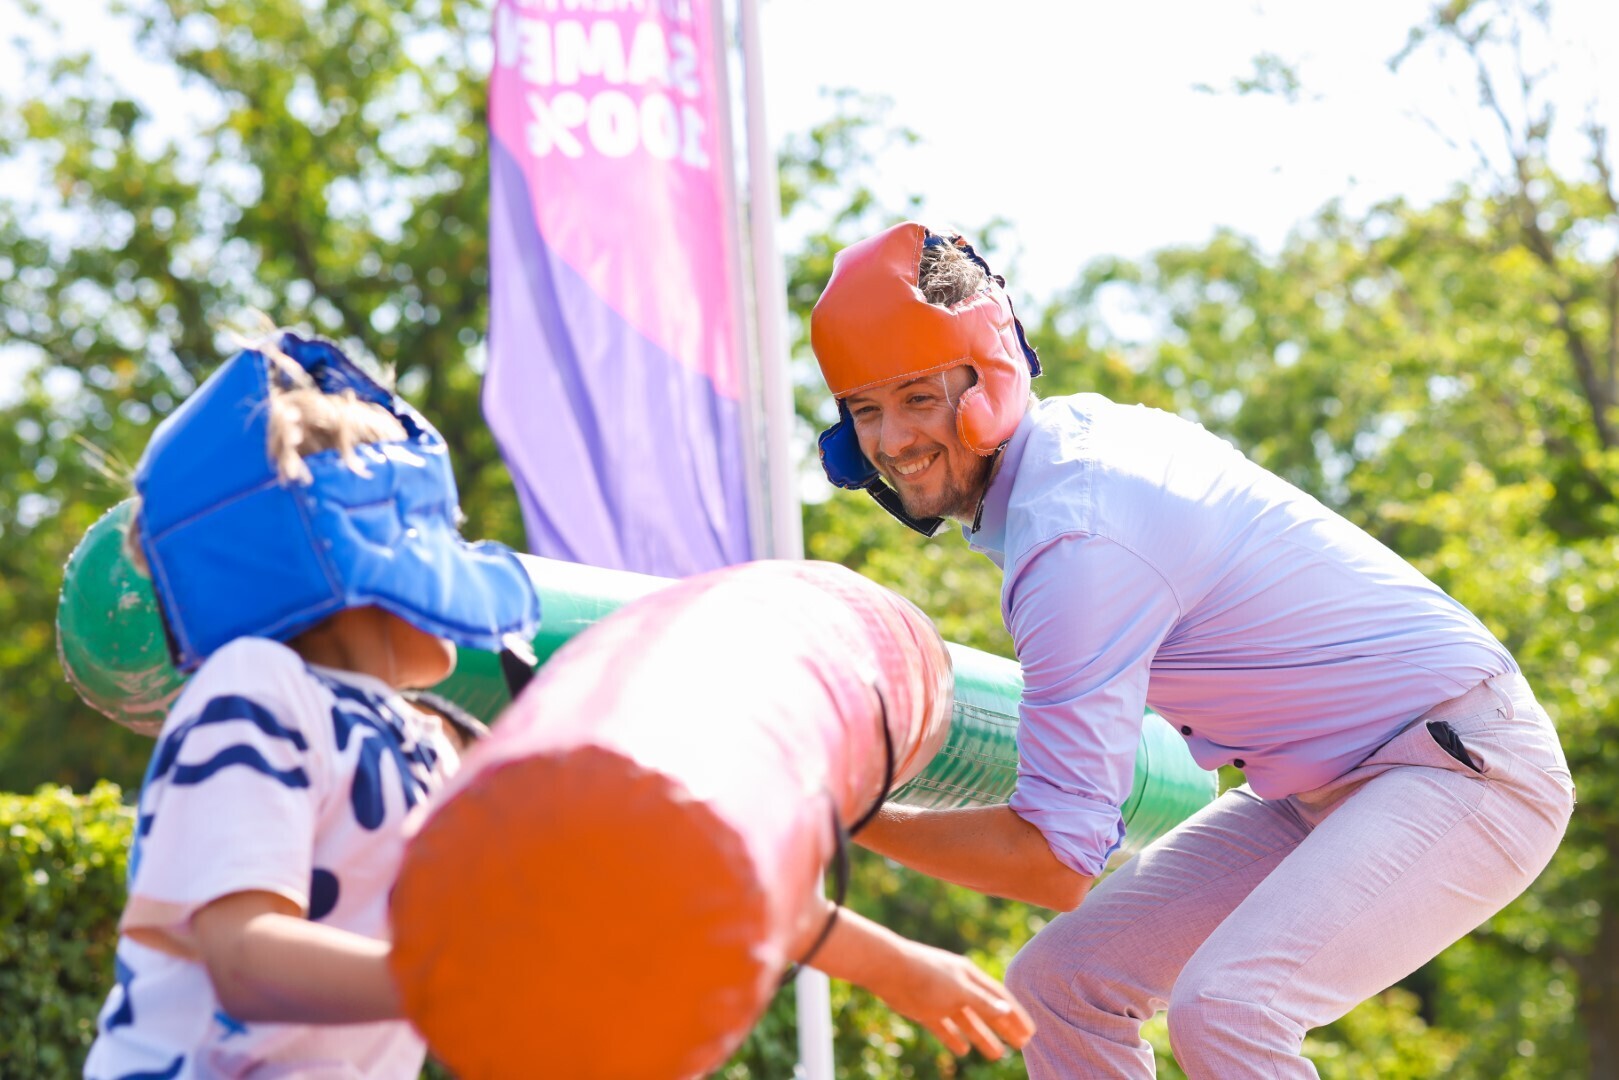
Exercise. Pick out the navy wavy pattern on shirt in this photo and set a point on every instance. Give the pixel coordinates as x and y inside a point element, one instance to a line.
<point>324,889</point>
<point>239,754</point>
<point>383,736</point>
<point>229,1024</point>
<point>224,709</point>
<point>227,708</point>
<point>125,1015</point>
<point>168,1073</point>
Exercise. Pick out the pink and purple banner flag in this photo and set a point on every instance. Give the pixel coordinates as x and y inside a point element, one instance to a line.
<point>613,385</point>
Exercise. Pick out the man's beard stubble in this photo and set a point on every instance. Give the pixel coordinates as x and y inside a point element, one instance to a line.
<point>958,499</point>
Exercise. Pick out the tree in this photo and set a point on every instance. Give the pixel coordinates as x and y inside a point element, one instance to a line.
<point>1443,375</point>
<point>339,181</point>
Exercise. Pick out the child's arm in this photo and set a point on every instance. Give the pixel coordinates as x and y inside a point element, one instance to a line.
<point>945,993</point>
<point>268,963</point>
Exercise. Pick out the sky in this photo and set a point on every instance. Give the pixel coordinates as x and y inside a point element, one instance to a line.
<point>1080,121</point>
<point>1090,126</point>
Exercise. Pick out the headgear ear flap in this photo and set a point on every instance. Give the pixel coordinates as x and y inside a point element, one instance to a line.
<point>873,325</point>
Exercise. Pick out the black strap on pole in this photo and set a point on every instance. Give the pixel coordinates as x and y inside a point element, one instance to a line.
<point>840,891</point>
<point>888,765</point>
<point>840,856</point>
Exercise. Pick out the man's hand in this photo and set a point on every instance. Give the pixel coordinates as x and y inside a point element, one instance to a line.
<point>953,998</point>
<point>945,993</point>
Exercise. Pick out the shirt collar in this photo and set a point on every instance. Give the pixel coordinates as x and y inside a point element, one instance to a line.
<point>989,537</point>
<point>357,679</point>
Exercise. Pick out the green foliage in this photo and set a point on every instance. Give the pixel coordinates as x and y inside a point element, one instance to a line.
<point>1271,75</point>
<point>1385,1037</point>
<point>959,590</point>
<point>51,496</point>
<point>331,170</point>
<point>61,890</point>
<point>62,873</point>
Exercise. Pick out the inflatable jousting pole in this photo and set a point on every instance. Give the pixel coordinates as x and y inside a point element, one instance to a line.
<point>112,648</point>
<point>977,764</point>
<point>615,881</point>
<point>111,643</point>
<point>109,636</point>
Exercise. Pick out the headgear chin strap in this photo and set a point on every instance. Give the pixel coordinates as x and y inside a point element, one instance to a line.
<point>872,326</point>
<point>236,551</point>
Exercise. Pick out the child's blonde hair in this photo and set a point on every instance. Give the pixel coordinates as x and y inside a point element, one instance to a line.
<point>304,420</point>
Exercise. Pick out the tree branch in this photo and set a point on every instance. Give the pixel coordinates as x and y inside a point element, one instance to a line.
<point>1596,384</point>
<point>1597,133</point>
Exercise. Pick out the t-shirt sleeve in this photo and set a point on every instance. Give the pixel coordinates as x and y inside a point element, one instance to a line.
<point>231,797</point>
<point>1088,616</point>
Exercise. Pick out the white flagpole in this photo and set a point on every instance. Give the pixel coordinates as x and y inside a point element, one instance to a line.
<point>769,302</point>
<point>750,400</point>
<point>780,484</point>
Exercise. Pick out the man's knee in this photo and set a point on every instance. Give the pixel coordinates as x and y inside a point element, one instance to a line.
<point>1209,1029</point>
<point>1067,971</point>
<point>1030,977</point>
<point>1049,974</point>
<point>1195,1024</point>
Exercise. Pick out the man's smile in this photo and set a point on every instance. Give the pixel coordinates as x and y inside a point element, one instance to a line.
<point>911,468</point>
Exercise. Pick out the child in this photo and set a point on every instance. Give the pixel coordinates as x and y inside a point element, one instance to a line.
<point>298,524</point>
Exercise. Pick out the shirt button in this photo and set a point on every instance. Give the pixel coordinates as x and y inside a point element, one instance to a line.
<point>1186,729</point>
<point>1239,763</point>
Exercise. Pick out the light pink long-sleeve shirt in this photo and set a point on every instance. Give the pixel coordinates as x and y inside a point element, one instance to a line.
<point>1147,562</point>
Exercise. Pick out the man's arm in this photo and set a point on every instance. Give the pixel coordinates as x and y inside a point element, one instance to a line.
<point>986,848</point>
<point>945,993</point>
<point>1088,617</point>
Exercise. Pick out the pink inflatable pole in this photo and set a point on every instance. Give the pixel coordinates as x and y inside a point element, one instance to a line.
<point>616,880</point>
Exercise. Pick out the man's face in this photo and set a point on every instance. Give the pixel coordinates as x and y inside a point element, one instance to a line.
<point>908,430</point>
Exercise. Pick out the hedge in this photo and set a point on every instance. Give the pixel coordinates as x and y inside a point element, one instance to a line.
<point>61,890</point>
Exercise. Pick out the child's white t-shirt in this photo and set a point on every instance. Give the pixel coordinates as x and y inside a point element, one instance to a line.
<point>270,775</point>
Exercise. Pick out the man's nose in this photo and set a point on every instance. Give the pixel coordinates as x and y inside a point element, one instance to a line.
<point>898,434</point>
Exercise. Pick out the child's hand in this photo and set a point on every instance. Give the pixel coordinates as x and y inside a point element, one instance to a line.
<point>953,998</point>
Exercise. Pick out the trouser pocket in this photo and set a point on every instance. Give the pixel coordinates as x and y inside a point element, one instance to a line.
<point>1451,743</point>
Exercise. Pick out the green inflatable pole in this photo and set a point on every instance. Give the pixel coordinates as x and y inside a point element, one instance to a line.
<point>113,650</point>
<point>109,637</point>
<point>978,763</point>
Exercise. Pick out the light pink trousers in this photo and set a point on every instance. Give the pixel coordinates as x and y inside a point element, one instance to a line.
<point>1258,920</point>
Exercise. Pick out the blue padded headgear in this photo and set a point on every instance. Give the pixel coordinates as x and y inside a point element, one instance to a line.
<point>236,551</point>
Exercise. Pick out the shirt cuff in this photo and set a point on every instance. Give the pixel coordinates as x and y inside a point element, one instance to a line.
<point>1082,832</point>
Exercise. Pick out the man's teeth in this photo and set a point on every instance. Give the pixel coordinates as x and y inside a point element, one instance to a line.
<point>914,467</point>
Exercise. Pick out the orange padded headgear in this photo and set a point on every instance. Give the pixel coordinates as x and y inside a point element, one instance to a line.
<point>873,326</point>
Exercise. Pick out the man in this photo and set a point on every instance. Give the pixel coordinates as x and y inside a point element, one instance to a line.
<point>1403,784</point>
